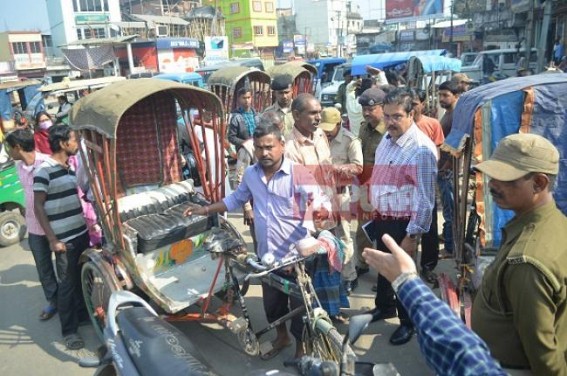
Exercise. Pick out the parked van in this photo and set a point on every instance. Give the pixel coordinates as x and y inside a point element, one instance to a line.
<point>503,62</point>
<point>328,94</point>
<point>325,68</point>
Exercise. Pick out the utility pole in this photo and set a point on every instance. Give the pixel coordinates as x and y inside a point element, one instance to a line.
<point>529,36</point>
<point>541,50</point>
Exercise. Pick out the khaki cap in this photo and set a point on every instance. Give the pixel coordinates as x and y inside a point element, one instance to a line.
<point>519,154</point>
<point>330,117</point>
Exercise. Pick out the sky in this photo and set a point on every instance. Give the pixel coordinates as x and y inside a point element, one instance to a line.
<point>23,15</point>
<point>369,9</point>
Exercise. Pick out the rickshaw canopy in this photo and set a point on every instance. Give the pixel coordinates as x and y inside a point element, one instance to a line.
<point>388,59</point>
<point>534,104</point>
<point>292,69</point>
<point>231,76</point>
<point>101,111</point>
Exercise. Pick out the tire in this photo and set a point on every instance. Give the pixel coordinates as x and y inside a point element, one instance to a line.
<point>12,228</point>
<point>97,287</point>
<point>325,342</point>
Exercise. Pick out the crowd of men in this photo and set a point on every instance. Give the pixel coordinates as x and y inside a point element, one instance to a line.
<point>300,171</point>
<point>388,174</point>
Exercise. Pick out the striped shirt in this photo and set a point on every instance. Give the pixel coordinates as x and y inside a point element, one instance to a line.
<point>25,173</point>
<point>403,179</point>
<point>62,205</point>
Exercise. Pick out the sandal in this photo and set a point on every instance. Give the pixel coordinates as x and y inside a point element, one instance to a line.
<point>74,342</point>
<point>47,313</point>
<point>273,352</point>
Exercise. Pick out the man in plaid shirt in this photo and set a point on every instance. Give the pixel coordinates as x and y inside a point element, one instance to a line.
<point>402,193</point>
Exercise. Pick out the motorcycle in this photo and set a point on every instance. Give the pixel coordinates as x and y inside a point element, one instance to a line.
<point>140,343</point>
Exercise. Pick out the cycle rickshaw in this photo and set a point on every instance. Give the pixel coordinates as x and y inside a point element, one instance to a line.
<point>131,150</point>
<point>180,264</point>
<point>301,73</point>
<point>226,82</point>
<point>483,116</point>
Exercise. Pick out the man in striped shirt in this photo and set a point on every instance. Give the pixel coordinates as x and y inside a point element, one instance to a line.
<point>58,210</point>
<point>21,147</point>
<point>402,192</point>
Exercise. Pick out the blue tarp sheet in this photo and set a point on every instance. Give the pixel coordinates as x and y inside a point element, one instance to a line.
<point>439,63</point>
<point>507,99</point>
<point>388,59</point>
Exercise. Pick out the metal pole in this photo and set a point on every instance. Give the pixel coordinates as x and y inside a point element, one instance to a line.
<point>541,50</point>
<point>451,31</point>
<point>529,38</point>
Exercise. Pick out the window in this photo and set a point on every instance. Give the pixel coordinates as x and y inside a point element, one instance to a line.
<point>271,30</point>
<point>90,5</point>
<point>258,30</point>
<point>35,47</point>
<point>269,7</point>
<point>234,8</point>
<point>237,33</point>
<point>19,48</point>
<point>89,33</point>
<point>257,6</point>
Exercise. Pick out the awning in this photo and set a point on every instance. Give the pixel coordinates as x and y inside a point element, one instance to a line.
<point>102,41</point>
<point>388,59</point>
<point>162,20</point>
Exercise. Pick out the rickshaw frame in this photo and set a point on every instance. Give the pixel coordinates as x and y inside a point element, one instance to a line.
<point>99,118</point>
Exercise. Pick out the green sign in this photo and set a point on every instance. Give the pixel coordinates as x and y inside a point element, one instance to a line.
<point>82,19</point>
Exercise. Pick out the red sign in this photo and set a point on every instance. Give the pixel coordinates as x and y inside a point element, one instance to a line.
<point>413,8</point>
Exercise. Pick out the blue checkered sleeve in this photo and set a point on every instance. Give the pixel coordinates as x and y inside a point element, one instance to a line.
<point>448,346</point>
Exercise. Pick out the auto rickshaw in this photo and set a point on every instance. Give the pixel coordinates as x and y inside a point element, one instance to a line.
<point>301,73</point>
<point>130,147</point>
<point>483,116</point>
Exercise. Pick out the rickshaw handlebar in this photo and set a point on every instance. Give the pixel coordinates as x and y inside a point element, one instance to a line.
<point>265,270</point>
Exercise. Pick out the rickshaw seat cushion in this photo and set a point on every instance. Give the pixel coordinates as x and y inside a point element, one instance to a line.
<point>155,338</point>
<point>154,201</point>
<point>161,229</point>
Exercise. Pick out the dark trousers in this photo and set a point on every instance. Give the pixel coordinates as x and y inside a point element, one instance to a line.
<point>43,257</point>
<point>278,304</point>
<point>385,298</point>
<point>71,305</point>
<point>430,244</point>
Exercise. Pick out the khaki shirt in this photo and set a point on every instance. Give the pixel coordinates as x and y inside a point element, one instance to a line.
<point>369,137</point>
<point>286,115</point>
<point>520,308</point>
<point>346,153</point>
<point>308,151</point>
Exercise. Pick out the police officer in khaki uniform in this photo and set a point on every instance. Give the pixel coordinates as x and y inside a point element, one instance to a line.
<point>283,92</point>
<point>346,153</point>
<point>520,309</point>
<point>371,132</point>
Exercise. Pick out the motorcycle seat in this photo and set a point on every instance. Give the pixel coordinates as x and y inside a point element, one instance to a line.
<point>158,348</point>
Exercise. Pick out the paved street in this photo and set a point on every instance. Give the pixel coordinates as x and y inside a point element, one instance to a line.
<point>31,347</point>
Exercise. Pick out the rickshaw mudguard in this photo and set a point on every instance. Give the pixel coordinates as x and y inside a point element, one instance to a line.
<point>11,191</point>
<point>109,266</point>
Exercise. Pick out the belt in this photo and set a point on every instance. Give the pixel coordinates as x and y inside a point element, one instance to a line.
<point>384,217</point>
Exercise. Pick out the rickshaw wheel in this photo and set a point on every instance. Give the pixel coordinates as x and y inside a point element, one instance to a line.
<point>12,228</point>
<point>97,288</point>
<point>249,342</point>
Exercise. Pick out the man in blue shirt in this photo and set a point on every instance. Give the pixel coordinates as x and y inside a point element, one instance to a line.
<point>447,345</point>
<point>282,192</point>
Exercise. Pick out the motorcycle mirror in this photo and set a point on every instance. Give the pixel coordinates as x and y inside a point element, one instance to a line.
<point>356,326</point>
<point>90,362</point>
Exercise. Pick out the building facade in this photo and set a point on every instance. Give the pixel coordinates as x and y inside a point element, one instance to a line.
<point>22,55</point>
<point>251,26</point>
<point>72,20</point>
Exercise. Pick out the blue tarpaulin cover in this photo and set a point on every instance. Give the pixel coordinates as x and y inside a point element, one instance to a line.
<point>387,59</point>
<point>504,101</point>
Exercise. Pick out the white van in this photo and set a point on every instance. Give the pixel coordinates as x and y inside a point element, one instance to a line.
<point>497,61</point>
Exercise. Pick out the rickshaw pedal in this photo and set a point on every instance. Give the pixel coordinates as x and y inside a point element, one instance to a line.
<point>238,325</point>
